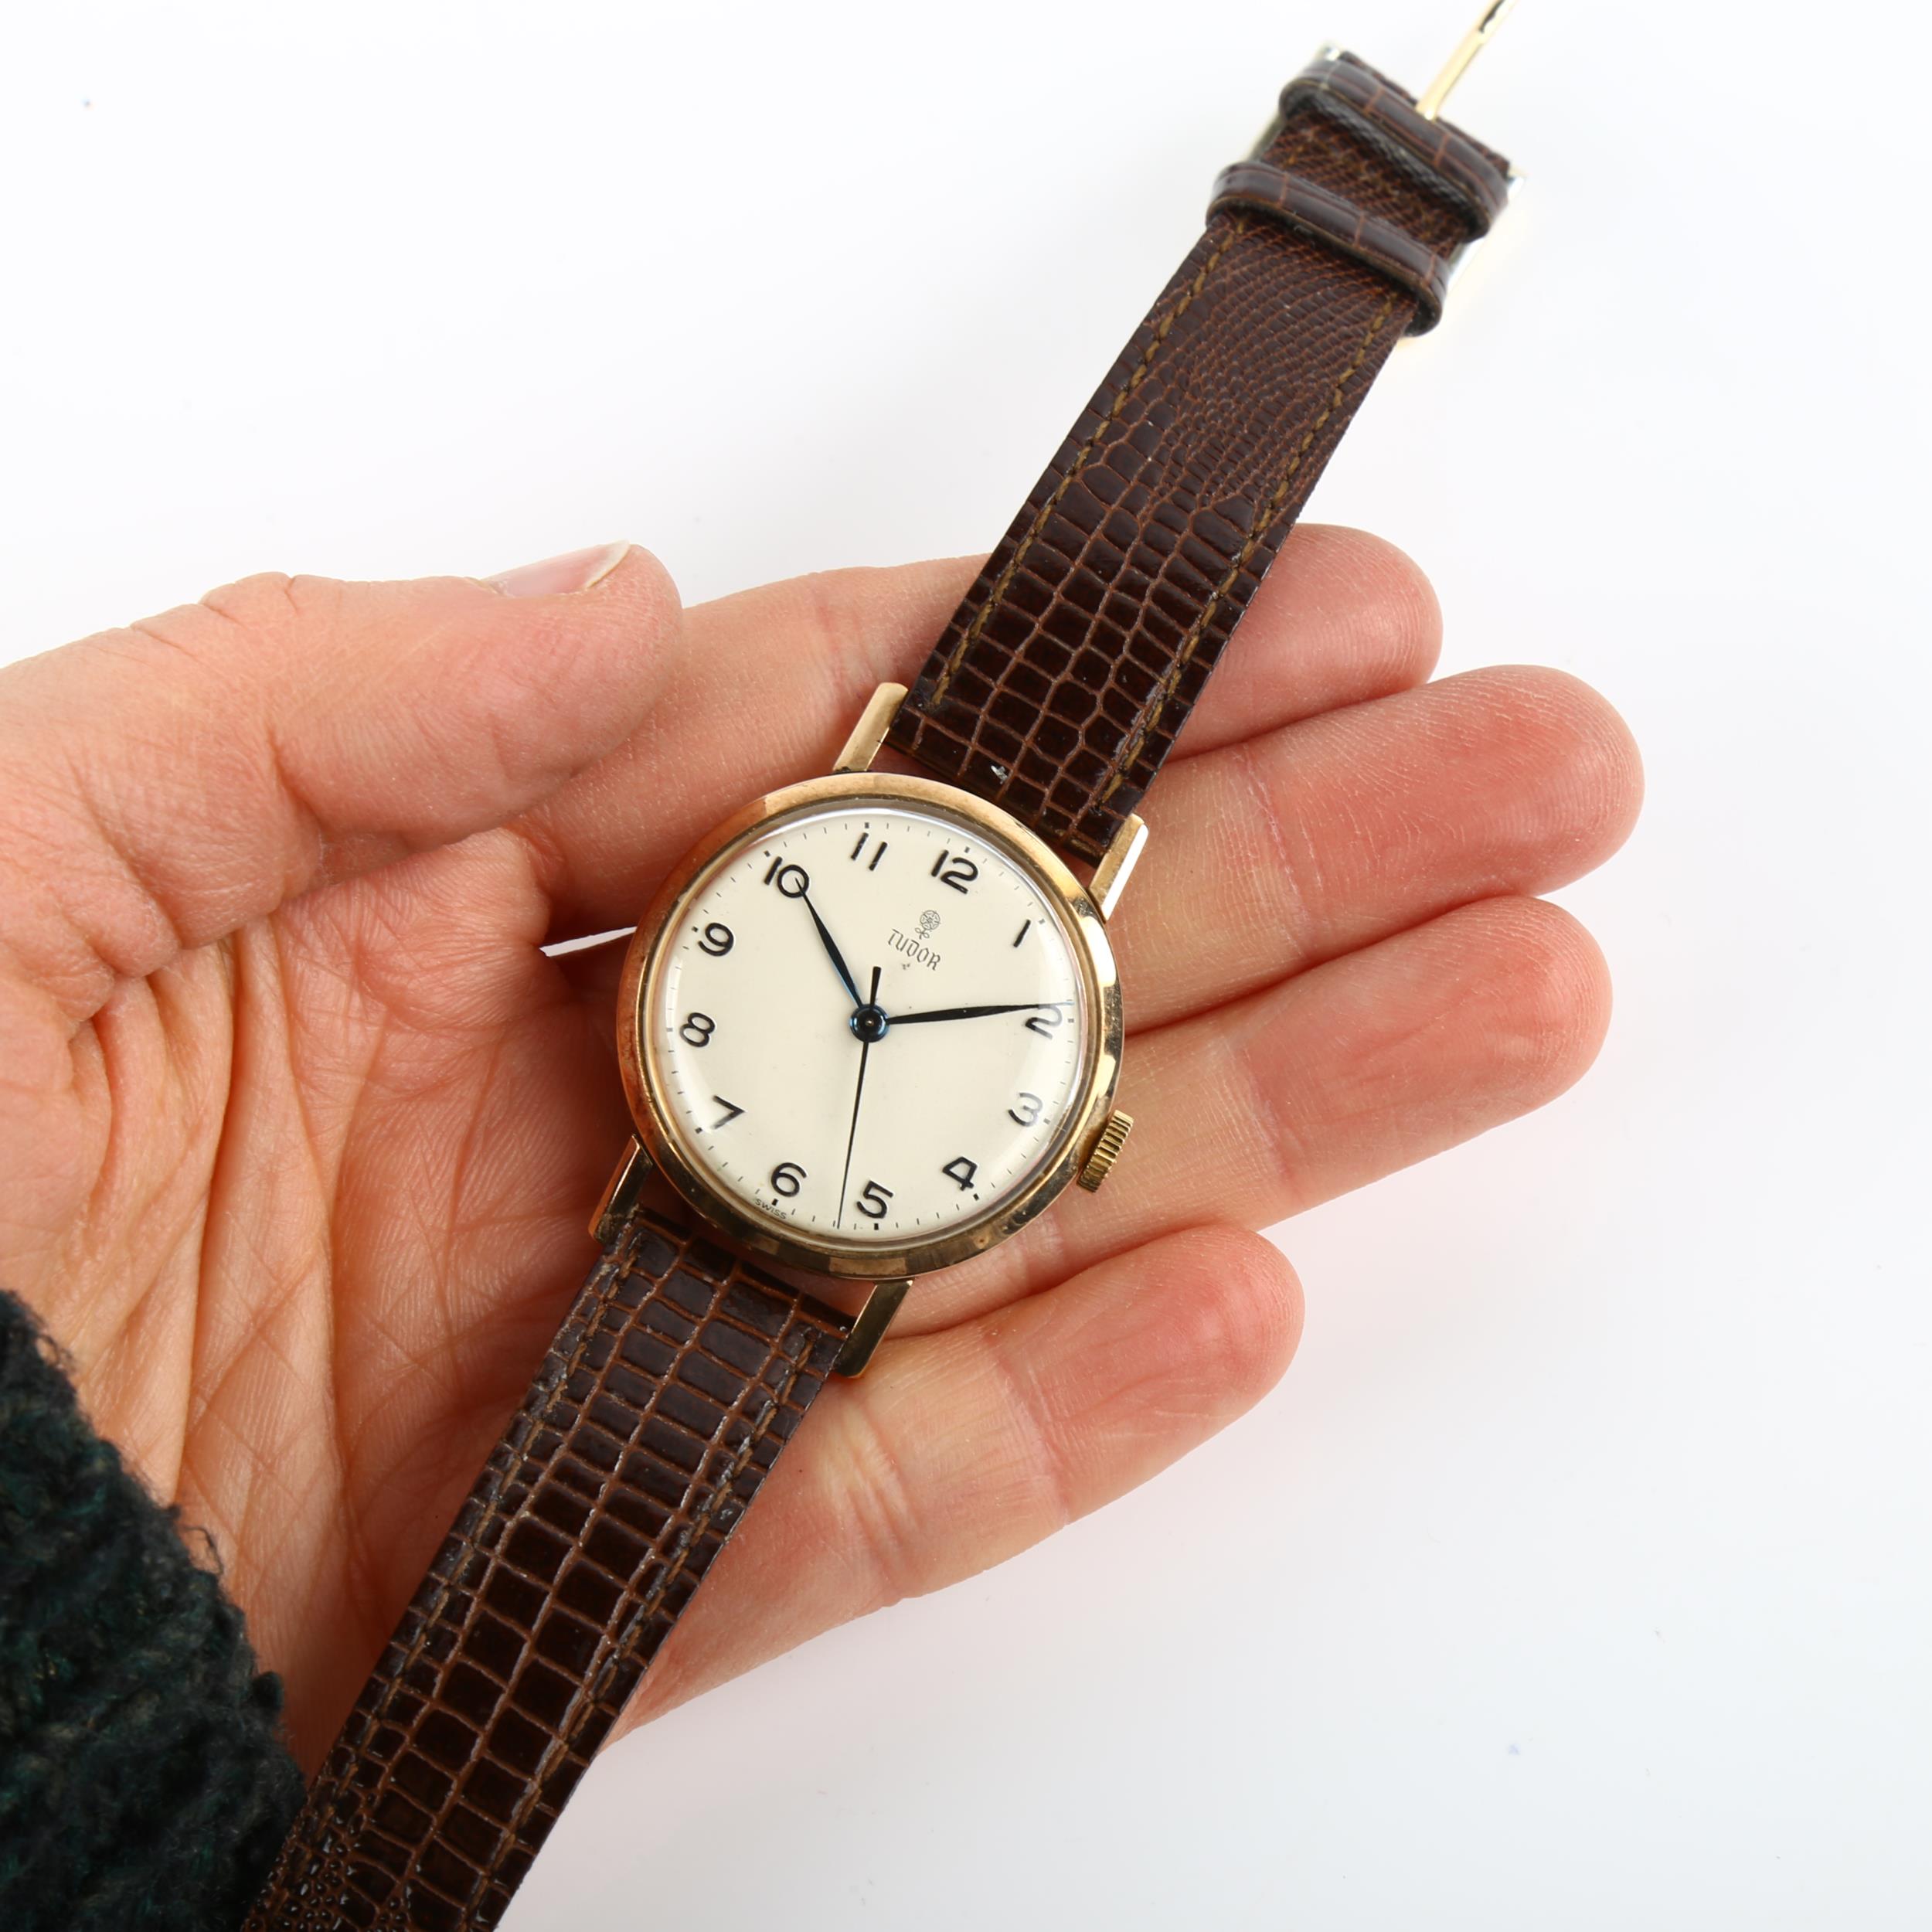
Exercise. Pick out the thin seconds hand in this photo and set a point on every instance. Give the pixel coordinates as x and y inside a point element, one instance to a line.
<point>851,1139</point>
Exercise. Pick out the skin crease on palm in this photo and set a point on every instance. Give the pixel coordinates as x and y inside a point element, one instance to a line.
<point>300,1127</point>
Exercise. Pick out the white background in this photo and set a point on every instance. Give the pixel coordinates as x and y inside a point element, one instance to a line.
<point>1578,1574</point>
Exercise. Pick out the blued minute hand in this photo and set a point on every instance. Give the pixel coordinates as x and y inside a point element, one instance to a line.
<point>832,953</point>
<point>975,1012</point>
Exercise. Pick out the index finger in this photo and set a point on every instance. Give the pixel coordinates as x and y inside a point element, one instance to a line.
<point>162,784</point>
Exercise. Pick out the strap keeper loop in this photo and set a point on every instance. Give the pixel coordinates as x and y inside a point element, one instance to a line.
<point>1261,188</point>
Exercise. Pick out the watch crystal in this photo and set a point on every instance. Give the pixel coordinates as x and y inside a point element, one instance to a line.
<point>867,1022</point>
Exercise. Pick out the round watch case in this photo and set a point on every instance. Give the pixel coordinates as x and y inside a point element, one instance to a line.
<point>1084,929</point>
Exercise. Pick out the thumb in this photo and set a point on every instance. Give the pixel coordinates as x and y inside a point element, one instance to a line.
<point>160,785</point>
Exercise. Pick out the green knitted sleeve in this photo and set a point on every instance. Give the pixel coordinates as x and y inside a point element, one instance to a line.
<point>143,1781</point>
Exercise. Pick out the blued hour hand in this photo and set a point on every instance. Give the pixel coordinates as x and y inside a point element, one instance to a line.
<point>975,1012</point>
<point>832,953</point>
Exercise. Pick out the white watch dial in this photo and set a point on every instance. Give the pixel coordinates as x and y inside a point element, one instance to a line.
<point>867,1022</point>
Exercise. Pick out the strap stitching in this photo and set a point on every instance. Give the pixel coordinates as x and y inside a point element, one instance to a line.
<point>647,1606</point>
<point>1122,761</point>
<point>1162,329</point>
<point>1085,455</point>
<point>517,1440</point>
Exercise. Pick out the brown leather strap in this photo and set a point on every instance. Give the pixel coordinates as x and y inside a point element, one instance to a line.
<point>676,1379</point>
<point>1061,682</point>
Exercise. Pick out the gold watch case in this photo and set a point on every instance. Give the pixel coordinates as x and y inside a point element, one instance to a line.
<point>1086,929</point>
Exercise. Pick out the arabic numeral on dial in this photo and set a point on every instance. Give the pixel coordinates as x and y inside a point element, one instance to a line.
<point>1025,1109</point>
<point>717,939</point>
<point>731,1112</point>
<point>697,1029</point>
<point>872,1201</point>
<point>958,873</point>
<point>1046,1021</point>
<point>787,1179</point>
<point>793,881</point>
<point>963,1170</point>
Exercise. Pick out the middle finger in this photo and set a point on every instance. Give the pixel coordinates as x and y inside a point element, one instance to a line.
<point>1267,857</point>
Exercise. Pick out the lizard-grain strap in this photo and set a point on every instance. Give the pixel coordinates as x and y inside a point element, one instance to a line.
<point>1062,681</point>
<point>677,1377</point>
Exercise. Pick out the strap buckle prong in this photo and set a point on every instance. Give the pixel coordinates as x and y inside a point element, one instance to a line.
<point>1429,103</point>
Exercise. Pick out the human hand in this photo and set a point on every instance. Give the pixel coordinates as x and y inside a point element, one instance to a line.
<point>299,1127</point>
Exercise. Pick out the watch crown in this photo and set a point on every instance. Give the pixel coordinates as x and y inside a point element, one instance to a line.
<point>1106,1149</point>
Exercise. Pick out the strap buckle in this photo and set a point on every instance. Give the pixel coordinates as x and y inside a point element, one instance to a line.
<point>1429,102</point>
<point>1407,136</point>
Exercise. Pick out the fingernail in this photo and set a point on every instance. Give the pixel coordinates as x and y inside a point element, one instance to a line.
<point>557,575</point>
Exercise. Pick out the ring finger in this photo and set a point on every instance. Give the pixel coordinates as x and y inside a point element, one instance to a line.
<point>1345,1073</point>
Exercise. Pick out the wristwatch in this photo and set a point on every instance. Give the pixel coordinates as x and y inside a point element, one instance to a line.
<point>871,1026</point>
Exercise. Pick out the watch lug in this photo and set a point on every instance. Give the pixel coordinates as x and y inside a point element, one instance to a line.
<point>869,734</point>
<point>620,1193</point>
<point>1117,864</point>
<point>867,1332</point>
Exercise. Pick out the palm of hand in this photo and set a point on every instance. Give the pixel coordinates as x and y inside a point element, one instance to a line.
<point>299,1176</point>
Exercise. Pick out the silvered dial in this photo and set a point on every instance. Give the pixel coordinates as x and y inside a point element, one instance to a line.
<point>866,1022</point>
